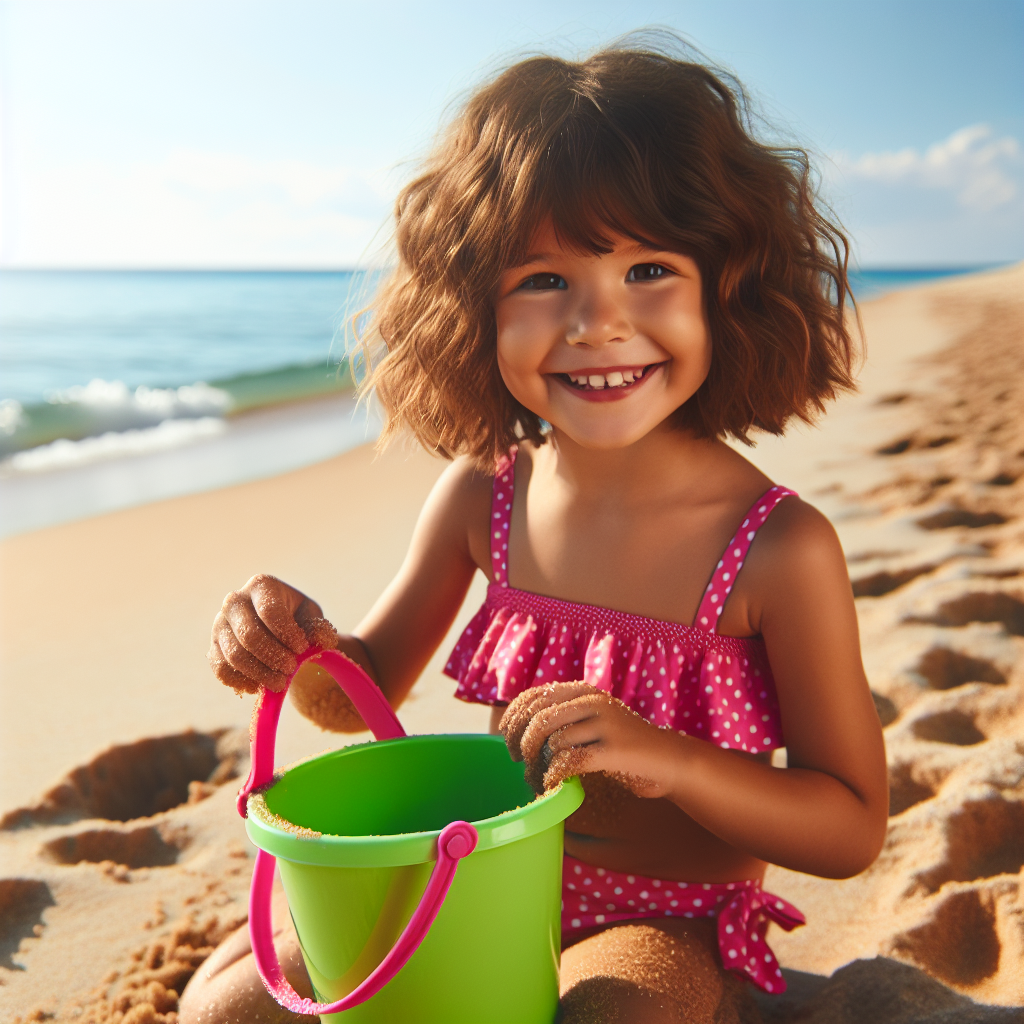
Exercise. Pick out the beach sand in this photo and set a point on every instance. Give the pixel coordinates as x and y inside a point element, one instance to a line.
<point>124,862</point>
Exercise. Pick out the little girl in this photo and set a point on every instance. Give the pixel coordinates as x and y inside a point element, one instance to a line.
<point>602,274</point>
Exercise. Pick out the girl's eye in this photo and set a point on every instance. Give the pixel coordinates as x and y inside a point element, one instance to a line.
<point>646,272</point>
<point>543,282</point>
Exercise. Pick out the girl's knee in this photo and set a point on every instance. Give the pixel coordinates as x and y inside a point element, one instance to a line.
<point>604,1000</point>
<point>227,988</point>
<point>652,973</point>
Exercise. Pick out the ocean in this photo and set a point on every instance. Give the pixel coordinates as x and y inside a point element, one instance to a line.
<point>104,368</point>
<point>86,353</point>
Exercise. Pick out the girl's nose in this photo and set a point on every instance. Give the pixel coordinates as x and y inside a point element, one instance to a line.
<point>599,319</point>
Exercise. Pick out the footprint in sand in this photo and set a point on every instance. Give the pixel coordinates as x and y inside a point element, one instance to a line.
<point>979,606</point>
<point>944,668</point>
<point>140,779</point>
<point>959,942</point>
<point>151,846</point>
<point>22,902</point>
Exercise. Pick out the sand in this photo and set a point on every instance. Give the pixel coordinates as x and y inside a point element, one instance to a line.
<point>117,880</point>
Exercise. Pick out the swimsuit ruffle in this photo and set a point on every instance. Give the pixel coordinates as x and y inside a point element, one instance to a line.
<point>698,683</point>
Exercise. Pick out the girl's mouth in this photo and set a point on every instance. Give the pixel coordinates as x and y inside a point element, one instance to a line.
<point>608,384</point>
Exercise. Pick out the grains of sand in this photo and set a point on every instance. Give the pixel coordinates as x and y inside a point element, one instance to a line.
<point>152,981</point>
<point>259,809</point>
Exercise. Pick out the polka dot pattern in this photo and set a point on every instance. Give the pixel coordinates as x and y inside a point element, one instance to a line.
<point>595,896</point>
<point>686,678</point>
<point>724,576</point>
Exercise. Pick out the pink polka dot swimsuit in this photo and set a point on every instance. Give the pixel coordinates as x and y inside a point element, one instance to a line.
<point>687,678</point>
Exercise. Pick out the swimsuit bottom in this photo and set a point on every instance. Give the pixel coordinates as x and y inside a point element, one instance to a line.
<point>596,896</point>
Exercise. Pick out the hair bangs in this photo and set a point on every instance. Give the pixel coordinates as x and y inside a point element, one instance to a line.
<point>593,187</point>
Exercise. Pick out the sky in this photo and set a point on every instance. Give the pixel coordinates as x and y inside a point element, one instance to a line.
<point>276,133</point>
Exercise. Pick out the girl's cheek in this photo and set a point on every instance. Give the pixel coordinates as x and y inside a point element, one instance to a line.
<point>516,381</point>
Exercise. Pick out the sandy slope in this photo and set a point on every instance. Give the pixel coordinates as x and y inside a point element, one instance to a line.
<point>116,885</point>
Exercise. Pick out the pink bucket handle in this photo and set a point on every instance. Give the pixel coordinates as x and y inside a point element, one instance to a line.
<point>359,688</point>
<point>456,841</point>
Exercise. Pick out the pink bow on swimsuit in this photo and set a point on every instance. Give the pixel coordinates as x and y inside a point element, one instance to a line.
<point>742,924</point>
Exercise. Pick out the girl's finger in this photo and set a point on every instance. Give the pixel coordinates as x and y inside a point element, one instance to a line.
<point>585,733</point>
<point>226,674</point>
<point>317,629</point>
<point>255,637</point>
<point>242,661</point>
<point>276,603</point>
<point>521,711</point>
<point>566,763</point>
<point>549,720</point>
<point>581,741</point>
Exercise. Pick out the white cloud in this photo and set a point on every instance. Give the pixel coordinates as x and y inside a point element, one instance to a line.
<point>196,209</point>
<point>983,172</point>
<point>959,202</point>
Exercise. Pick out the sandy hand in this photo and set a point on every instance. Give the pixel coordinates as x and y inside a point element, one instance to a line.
<point>259,631</point>
<point>565,729</point>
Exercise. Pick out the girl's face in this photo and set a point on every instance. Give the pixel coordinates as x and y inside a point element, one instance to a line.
<point>604,348</point>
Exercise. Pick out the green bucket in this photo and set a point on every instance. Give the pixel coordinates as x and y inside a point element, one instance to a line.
<point>356,836</point>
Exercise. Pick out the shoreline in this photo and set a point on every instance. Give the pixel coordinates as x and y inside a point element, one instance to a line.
<point>252,445</point>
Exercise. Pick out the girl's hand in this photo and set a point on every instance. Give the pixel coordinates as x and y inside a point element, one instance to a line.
<point>260,629</point>
<point>565,729</point>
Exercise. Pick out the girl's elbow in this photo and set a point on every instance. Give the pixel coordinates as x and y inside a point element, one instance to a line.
<point>858,852</point>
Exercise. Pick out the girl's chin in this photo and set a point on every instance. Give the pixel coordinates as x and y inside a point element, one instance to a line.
<point>604,439</point>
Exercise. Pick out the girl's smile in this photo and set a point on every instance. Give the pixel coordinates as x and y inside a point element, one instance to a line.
<point>602,347</point>
<point>607,383</point>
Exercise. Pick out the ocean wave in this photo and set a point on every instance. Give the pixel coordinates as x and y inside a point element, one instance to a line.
<point>64,454</point>
<point>115,398</point>
<point>102,407</point>
<point>12,416</point>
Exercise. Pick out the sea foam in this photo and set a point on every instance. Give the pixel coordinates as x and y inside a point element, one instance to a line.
<point>63,454</point>
<point>116,399</point>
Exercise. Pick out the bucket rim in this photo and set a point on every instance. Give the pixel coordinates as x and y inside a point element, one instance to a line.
<point>327,850</point>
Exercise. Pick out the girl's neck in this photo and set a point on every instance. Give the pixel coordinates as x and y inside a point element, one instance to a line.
<point>665,460</point>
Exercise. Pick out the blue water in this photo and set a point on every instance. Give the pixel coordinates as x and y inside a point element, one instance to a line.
<point>84,353</point>
<point>870,284</point>
<point>59,329</point>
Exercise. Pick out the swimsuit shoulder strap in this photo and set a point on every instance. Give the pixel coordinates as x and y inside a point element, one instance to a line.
<point>732,559</point>
<point>501,516</point>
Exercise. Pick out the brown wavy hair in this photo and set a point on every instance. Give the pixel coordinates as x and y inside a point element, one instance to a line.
<point>635,141</point>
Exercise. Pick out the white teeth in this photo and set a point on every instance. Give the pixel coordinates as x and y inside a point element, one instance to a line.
<point>612,379</point>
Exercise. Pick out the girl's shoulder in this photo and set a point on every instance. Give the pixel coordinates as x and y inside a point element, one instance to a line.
<point>795,555</point>
<point>460,505</point>
<point>463,490</point>
<point>796,532</point>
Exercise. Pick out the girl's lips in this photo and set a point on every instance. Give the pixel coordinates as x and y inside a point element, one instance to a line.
<point>609,392</point>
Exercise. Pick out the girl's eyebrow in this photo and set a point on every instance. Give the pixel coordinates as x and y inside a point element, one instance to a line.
<point>533,257</point>
<point>636,249</point>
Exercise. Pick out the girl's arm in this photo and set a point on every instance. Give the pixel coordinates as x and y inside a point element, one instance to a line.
<point>826,813</point>
<point>262,626</point>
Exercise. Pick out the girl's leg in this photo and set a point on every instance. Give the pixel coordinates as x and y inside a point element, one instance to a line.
<point>652,972</point>
<point>227,987</point>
